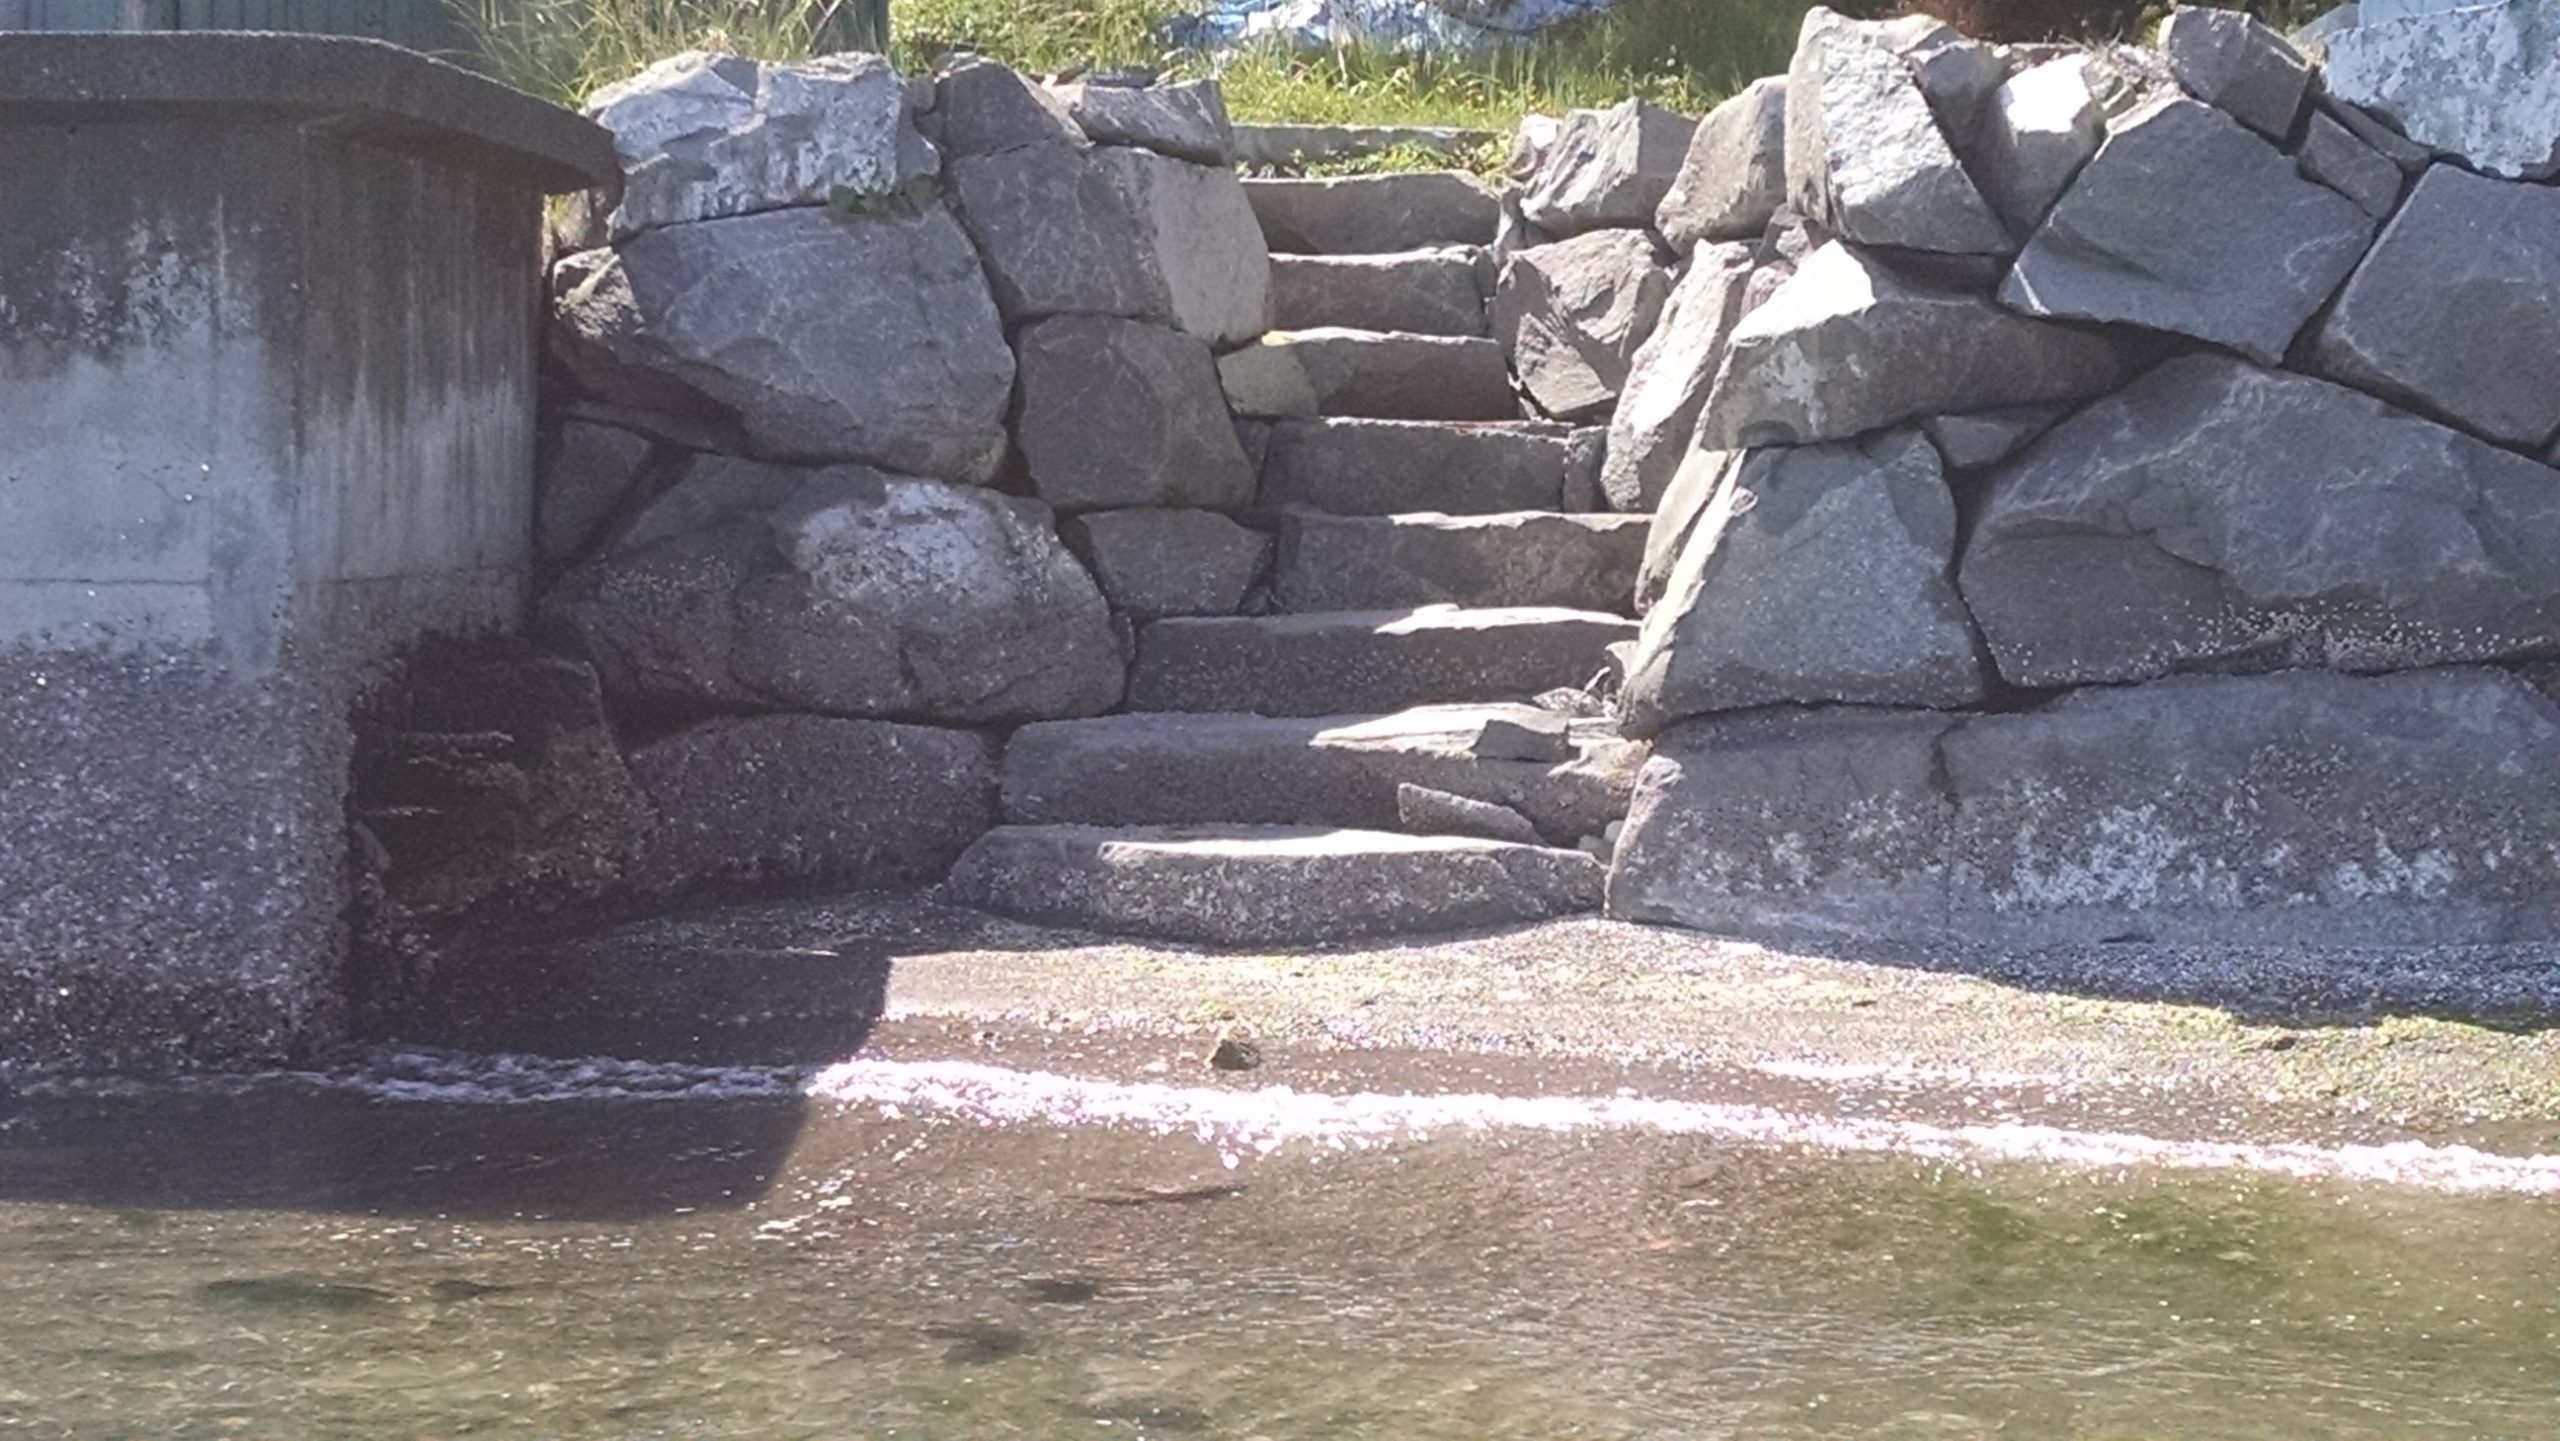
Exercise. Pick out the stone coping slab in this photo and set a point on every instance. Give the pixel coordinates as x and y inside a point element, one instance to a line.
<point>401,98</point>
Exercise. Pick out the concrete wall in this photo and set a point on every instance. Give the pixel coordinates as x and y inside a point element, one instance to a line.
<point>266,392</point>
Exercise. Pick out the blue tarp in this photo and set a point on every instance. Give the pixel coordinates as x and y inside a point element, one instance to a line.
<point>1404,24</point>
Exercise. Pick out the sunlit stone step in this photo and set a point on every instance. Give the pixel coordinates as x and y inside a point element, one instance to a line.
<point>1337,370</point>
<point>1341,662</point>
<point>1569,779</point>
<point>1373,562</point>
<point>1391,467</point>
<point>1420,292</point>
<point>1372,214</point>
<point>1267,885</point>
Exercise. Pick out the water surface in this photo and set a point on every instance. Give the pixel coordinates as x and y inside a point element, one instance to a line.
<point>748,1254</point>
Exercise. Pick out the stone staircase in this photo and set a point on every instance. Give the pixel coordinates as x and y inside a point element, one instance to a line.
<point>1342,764</point>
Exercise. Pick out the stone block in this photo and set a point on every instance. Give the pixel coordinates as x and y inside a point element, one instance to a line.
<point>2188,223</point>
<point>1734,176</point>
<point>1375,214</point>
<point>904,366</point>
<point>799,798</point>
<point>2481,83</point>
<point>2237,65</point>
<point>2456,311</point>
<point>1115,413</point>
<point>1847,344</point>
<point>1154,563</point>
<point>1267,886</point>
<point>843,592</point>
<point>703,136</point>
<point>2218,516</point>
<point>1572,315</point>
<point>1819,574</point>
<point>1607,168</point>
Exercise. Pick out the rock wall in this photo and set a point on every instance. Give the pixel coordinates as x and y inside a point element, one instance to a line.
<point>881,407</point>
<point>2105,495</point>
<point>2094,493</point>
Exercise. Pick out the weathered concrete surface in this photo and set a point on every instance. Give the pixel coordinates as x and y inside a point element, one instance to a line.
<point>2301,808</point>
<point>1374,562</point>
<point>1249,886</point>
<point>2456,310</point>
<point>2120,548</point>
<point>905,366</point>
<point>1848,344</point>
<point>1420,292</point>
<point>1388,467</point>
<point>1375,214</point>
<point>1337,662</point>
<point>2184,221</point>
<point>246,462</point>
<point>763,799</point>
<point>703,136</point>
<point>1340,770</point>
<point>2479,82</point>
<point>842,591</point>
<point>2301,1044</point>
<point>1815,574</point>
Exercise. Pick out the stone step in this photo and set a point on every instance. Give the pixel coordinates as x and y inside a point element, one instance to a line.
<point>1336,370</point>
<point>1374,214</point>
<point>1421,292</point>
<point>1377,562</point>
<point>1570,779</point>
<point>1267,885</point>
<point>1391,467</point>
<point>1342,662</point>
<point>1303,145</point>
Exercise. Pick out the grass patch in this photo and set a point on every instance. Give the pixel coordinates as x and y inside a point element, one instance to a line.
<point>1685,54</point>
<point>565,50</point>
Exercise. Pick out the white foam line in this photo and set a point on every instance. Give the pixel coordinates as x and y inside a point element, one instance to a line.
<point>1905,1074</point>
<point>1260,1121</point>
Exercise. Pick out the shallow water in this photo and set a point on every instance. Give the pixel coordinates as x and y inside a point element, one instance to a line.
<point>437,1249</point>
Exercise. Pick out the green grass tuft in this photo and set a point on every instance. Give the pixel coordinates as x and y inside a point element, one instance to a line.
<point>1685,54</point>
<point>566,50</point>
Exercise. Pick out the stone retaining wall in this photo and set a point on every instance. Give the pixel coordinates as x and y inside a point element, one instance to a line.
<point>1978,394</point>
<point>882,407</point>
<point>2114,496</point>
